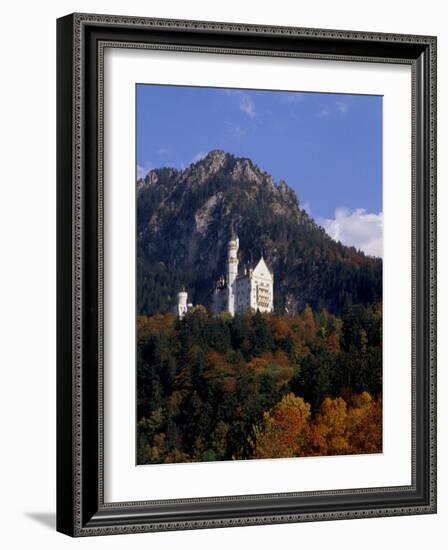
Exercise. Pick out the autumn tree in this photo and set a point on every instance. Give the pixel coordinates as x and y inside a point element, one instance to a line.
<point>333,345</point>
<point>364,424</point>
<point>331,425</point>
<point>309,326</point>
<point>284,430</point>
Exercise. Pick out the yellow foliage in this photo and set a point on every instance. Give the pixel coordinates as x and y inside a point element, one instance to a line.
<point>339,427</point>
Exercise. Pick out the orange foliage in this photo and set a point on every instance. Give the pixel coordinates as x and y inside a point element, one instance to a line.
<point>277,364</point>
<point>339,427</point>
<point>285,429</point>
<point>219,372</point>
<point>333,345</point>
<point>279,327</point>
<point>258,364</point>
<point>184,381</point>
<point>309,325</point>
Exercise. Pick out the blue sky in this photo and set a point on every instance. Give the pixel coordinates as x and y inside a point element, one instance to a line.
<point>327,147</point>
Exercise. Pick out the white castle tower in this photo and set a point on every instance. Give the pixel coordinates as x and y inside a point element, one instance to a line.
<point>182,306</point>
<point>232,271</point>
<point>252,290</point>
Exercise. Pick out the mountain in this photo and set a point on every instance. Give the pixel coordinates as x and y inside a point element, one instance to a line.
<point>183,225</point>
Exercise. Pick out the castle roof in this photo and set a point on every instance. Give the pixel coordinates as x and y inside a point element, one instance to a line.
<point>261,270</point>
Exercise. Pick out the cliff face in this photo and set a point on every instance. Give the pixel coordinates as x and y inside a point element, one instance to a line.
<point>183,225</point>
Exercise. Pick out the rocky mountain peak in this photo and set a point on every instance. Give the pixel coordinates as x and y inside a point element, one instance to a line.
<point>215,155</point>
<point>244,169</point>
<point>215,162</point>
<point>212,163</point>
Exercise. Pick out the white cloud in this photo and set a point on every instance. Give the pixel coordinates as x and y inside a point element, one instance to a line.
<point>324,111</point>
<point>235,131</point>
<point>293,97</point>
<point>162,151</point>
<point>247,106</point>
<point>245,102</point>
<point>357,228</point>
<point>231,91</point>
<point>341,106</point>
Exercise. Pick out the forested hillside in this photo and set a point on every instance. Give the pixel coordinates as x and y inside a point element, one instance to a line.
<point>259,386</point>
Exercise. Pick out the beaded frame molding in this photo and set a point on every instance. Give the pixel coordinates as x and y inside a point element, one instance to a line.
<point>81,40</point>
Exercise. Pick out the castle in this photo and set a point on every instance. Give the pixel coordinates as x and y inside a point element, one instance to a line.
<point>253,289</point>
<point>182,306</point>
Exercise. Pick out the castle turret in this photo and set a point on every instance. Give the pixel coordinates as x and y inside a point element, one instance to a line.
<point>182,306</point>
<point>232,270</point>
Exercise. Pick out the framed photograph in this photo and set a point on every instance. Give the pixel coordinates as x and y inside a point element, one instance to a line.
<point>246,274</point>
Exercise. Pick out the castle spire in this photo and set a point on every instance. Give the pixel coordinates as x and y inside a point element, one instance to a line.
<point>233,235</point>
<point>232,269</point>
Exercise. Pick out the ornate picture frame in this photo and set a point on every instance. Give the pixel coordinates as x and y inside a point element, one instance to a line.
<point>81,506</point>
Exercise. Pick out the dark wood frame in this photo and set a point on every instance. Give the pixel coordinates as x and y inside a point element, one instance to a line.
<point>81,510</point>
